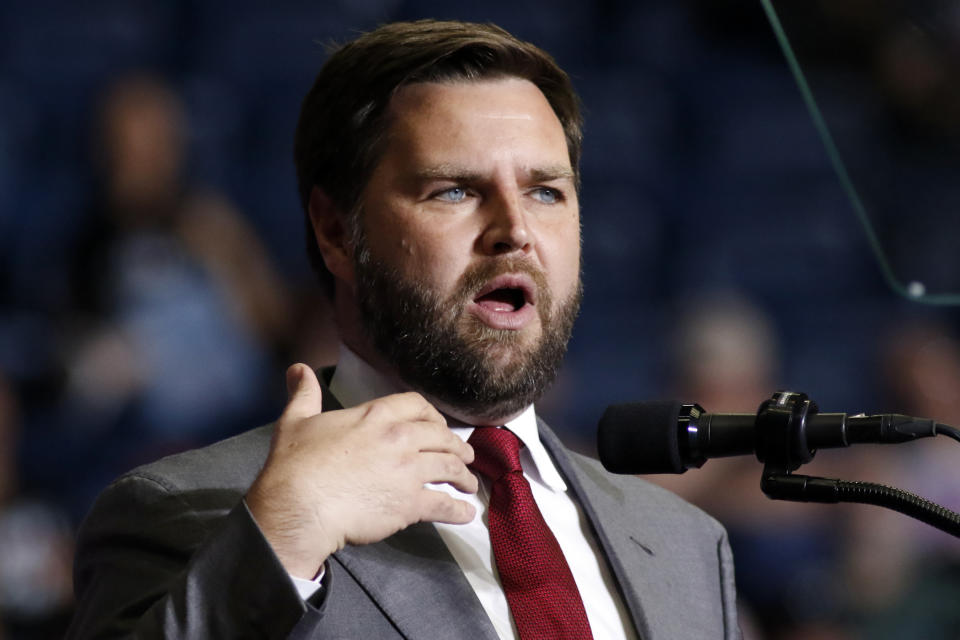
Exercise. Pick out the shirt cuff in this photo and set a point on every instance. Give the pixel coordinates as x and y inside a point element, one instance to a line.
<point>307,588</point>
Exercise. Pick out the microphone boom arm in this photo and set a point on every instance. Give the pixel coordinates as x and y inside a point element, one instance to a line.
<point>800,488</point>
<point>782,446</point>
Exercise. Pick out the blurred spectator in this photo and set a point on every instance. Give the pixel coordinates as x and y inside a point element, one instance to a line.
<point>828,571</point>
<point>920,364</point>
<point>912,589</point>
<point>916,66</point>
<point>177,314</point>
<point>727,360</point>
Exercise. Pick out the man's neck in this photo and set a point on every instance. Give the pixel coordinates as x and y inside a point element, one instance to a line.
<point>356,381</point>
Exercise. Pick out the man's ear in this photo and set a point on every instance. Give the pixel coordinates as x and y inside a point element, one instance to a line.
<point>330,232</point>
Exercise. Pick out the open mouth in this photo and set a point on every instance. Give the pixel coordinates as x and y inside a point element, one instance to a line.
<point>504,299</point>
<point>507,301</point>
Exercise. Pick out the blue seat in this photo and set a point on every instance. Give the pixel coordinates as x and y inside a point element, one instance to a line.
<point>49,205</point>
<point>219,121</point>
<point>563,27</point>
<point>615,356</point>
<point>782,240</point>
<point>623,232</point>
<point>631,125</point>
<point>51,42</point>
<point>261,47</point>
<point>659,36</point>
<point>833,351</point>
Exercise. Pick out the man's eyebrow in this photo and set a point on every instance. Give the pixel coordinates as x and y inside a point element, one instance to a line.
<point>548,174</point>
<point>448,172</point>
<point>462,174</point>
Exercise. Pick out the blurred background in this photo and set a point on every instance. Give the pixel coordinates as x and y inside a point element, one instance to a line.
<point>154,286</point>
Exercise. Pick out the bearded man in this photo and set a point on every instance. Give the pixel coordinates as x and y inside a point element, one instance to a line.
<point>414,493</point>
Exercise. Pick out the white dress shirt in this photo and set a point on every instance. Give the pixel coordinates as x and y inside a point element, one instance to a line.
<point>355,382</point>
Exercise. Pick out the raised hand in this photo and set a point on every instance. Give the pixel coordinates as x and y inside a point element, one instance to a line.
<point>354,476</point>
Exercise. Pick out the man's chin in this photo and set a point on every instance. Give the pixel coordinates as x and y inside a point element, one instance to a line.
<point>502,358</point>
<point>488,417</point>
<point>495,340</point>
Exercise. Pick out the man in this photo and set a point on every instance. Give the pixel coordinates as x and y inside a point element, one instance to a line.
<point>438,169</point>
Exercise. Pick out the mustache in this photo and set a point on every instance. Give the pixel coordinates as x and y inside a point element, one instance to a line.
<point>476,276</point>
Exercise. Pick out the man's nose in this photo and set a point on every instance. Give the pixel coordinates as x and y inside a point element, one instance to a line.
<point>506,227</point>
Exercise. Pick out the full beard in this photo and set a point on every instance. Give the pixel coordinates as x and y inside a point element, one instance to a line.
<point>452,356</point>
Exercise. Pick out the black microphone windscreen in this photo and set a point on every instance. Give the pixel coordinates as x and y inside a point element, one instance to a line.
<point>641,438</point>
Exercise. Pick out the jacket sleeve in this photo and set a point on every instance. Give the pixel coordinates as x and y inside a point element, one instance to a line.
<point>728,591</point>
<point>154,562</point>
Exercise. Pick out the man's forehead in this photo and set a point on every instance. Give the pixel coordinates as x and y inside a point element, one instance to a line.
<point>420,87</point>
<point>515,98</point>
<point>441,116</point>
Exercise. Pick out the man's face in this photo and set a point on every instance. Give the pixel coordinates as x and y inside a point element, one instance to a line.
<point>469,261</point>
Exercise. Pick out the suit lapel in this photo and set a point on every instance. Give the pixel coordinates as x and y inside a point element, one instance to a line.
<point>413,578</point>
<point>416,582</point>
<point>622,550</point>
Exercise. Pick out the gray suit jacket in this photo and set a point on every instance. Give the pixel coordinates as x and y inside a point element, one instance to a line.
<point>169,550</point>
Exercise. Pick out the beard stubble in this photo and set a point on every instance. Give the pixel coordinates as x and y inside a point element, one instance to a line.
<point>445,352</point>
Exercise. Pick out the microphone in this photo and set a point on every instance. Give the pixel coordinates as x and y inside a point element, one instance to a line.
<point>671,437</point>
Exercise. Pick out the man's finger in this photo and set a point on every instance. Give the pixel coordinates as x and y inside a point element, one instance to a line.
<point>305,397</point>
<point>446,441</point>
<point>446,467</point>
<point>409,406</point>
<point>436,506</point>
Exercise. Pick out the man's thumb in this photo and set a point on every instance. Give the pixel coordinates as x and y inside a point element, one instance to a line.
<point>303,392</point>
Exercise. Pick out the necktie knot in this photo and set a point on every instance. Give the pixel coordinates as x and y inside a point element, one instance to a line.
<point>496,452</point>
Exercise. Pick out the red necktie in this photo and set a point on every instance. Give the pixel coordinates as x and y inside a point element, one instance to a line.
<point>540,589</point>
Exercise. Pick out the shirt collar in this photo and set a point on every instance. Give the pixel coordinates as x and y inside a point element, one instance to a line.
<point>355,382</point>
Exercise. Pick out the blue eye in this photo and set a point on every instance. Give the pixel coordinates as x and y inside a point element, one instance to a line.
<point>454,194</point>
<point>547,195</point>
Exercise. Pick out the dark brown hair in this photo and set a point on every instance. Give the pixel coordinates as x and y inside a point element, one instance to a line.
<point>343,117</point>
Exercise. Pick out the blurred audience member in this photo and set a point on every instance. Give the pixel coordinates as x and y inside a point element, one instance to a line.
<point>922,374</point>
<point>912,589</point>
<point>833,572</point>
<point>727,360</point>
<point>178,312</point>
